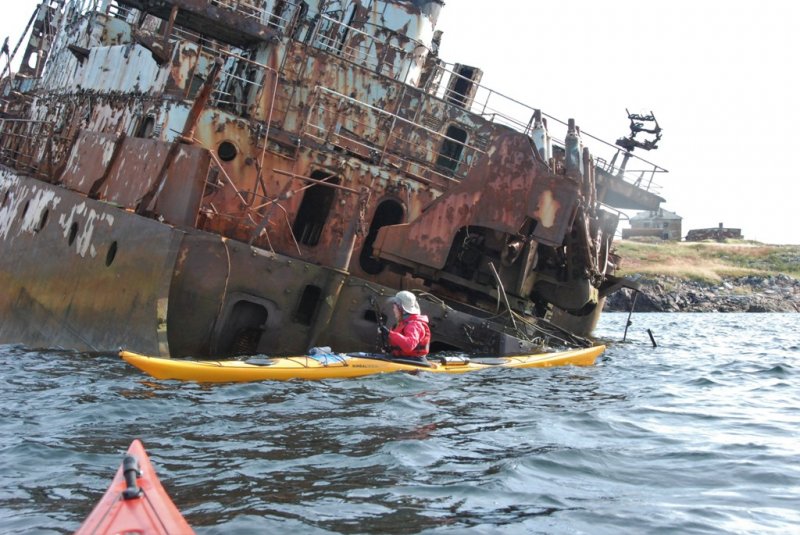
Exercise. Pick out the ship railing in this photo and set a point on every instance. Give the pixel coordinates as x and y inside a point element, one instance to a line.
<point>27,145</point>
<point>242,7</point>
<point>205,44</point>
<point>284,16</point>
<point>501,109</point>
<point>364,49</point>
<point>385,138</point>
<point>126,13</point>
<point>76,9</point>
<point>641,176</point>
<point>241,79</point>
<point>281,17</point>
<point>80,7</point>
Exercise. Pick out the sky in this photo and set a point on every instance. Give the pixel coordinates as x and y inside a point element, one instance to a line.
<point>721,76</point>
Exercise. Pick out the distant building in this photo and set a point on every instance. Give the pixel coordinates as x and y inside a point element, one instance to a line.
<point>658,223</point>
<point>717,233</point>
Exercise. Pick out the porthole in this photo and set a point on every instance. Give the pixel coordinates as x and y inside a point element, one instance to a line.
<point>43,220</point>
<point>73,232</point>
<point>227,151</point>
<point>5,197</point>
<point>112,252</point>
<point>25,209</point>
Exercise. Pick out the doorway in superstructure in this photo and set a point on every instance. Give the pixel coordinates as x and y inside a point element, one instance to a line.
<point>314,209</point>
<point>243,328</point>
<point>389,212</point>
<point>451,149</point>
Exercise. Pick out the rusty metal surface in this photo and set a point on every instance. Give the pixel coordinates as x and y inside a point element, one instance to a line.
<point>616,192</point>
<point>179,200</point>
<point>501,193</point>
<point>241,119</point>
<point>122,171</point>
<point>63,285</point>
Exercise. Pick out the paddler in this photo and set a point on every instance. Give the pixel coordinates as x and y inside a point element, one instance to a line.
<point>411,337</point>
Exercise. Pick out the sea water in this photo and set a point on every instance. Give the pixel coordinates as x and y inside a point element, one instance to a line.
<point>700,434</point>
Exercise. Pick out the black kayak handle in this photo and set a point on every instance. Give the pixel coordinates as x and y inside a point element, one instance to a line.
<point>130,470</point>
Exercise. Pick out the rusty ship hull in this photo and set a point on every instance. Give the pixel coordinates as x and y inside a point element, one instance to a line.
<point>209,178</point>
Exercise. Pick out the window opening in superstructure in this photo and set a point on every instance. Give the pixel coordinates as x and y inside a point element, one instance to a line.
<point>276,18</point>
<point>195,86</point>
<point>314,209</point>
<point>302,24</point>
<point>462,86</point>
<point>389,212</point>
<point>147,127</point>
<point>452,147</point>
<point>345,28</point>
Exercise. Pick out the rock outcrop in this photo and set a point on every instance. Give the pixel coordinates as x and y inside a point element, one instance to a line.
<point>775,293</point>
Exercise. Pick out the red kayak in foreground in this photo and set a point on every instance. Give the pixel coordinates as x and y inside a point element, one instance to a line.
<point>135,502</point>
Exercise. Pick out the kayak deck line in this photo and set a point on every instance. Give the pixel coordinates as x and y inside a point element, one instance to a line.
<point>339,366</point>
<point>135,502</point>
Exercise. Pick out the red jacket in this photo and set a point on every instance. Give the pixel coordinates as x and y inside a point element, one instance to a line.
<point>411,337</point>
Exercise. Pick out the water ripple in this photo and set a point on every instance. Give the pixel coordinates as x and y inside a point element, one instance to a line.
<point>697,435</point>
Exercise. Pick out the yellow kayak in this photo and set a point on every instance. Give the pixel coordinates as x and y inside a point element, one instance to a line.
<point>339,366</point>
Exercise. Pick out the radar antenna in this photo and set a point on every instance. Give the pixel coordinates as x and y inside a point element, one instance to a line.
<point>638,126</point>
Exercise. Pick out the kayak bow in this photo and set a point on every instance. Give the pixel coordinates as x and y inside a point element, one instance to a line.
<point>338,366</point>
<point>135,502</point>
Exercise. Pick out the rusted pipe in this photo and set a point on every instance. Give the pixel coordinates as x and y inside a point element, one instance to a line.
<point>502,293</point>
<point>628,322</point>
<point>170,24</point>
<point>227,178</point>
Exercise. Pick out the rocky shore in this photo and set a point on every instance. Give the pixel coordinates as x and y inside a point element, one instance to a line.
<point>659,293</point>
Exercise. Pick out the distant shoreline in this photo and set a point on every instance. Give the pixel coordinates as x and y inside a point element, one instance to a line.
<point>736,276</point>
<point>752,293</point>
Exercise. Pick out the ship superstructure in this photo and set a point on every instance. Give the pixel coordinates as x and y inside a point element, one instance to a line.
<point>217,177</point>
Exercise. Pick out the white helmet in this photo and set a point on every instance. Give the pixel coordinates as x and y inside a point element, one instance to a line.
<point>407,301</point>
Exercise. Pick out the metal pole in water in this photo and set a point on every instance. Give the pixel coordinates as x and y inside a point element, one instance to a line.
<point>652,339</point>
<point>628,323</point>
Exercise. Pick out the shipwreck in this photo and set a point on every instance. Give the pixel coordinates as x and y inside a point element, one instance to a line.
<point>223,177</point>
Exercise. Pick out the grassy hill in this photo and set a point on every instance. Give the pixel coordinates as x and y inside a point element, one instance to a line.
<point>707,261</point>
